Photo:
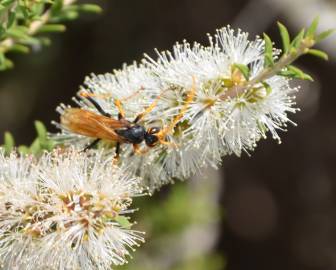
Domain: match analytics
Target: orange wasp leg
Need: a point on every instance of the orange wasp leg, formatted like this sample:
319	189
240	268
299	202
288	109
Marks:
149	108
139	151
120	108
190	96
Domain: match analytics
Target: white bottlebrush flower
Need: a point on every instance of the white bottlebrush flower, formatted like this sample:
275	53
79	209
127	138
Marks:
65	211
204	104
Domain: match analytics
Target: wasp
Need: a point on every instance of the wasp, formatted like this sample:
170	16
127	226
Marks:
103	126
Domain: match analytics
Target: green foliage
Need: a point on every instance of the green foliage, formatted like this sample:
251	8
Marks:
318	53
301	44
40	144
295	44
294	72
267	88
52	28
268	51
277	63
123	222
23	21
9	143
324	35
284	36
312	28
244	69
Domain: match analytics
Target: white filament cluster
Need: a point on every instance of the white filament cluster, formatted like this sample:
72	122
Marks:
211	126
64	212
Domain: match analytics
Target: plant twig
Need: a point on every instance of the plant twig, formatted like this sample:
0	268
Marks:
33	28
269	72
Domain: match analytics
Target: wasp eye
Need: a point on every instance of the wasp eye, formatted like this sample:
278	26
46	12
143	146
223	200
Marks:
153	130
151	140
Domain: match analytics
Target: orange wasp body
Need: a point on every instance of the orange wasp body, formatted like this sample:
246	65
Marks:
103	126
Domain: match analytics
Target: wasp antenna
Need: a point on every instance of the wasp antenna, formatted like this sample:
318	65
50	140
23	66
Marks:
97	106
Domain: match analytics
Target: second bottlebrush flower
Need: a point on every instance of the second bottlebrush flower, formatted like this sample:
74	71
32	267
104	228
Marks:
65	211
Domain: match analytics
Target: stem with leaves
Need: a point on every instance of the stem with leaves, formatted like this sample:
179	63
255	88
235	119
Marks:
33	28
300	45
22	21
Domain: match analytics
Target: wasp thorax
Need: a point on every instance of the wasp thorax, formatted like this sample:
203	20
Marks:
134	134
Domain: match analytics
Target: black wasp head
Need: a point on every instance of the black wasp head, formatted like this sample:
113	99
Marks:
150	136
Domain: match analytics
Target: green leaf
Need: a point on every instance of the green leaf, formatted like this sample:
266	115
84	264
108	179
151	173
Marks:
18	32
66	15
297	40
5	63
9	63
2	59
269	60
41	130
324	35
35	147
57	7
244	70
294	72
318	53
52	28
15	33
49	145
307	77
123	222
11	19
19	48
23	149
22	28
9	142
45	41
286	73
284	37
24	11
268	51
267	87
312	28
7	2
2	31
38	10
92	8
42	134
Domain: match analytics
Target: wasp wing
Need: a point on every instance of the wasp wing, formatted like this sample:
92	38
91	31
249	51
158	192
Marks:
93	125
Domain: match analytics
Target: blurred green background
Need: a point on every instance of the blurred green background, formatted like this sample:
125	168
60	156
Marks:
274	210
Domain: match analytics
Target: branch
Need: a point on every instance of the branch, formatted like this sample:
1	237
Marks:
33	28
285	60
